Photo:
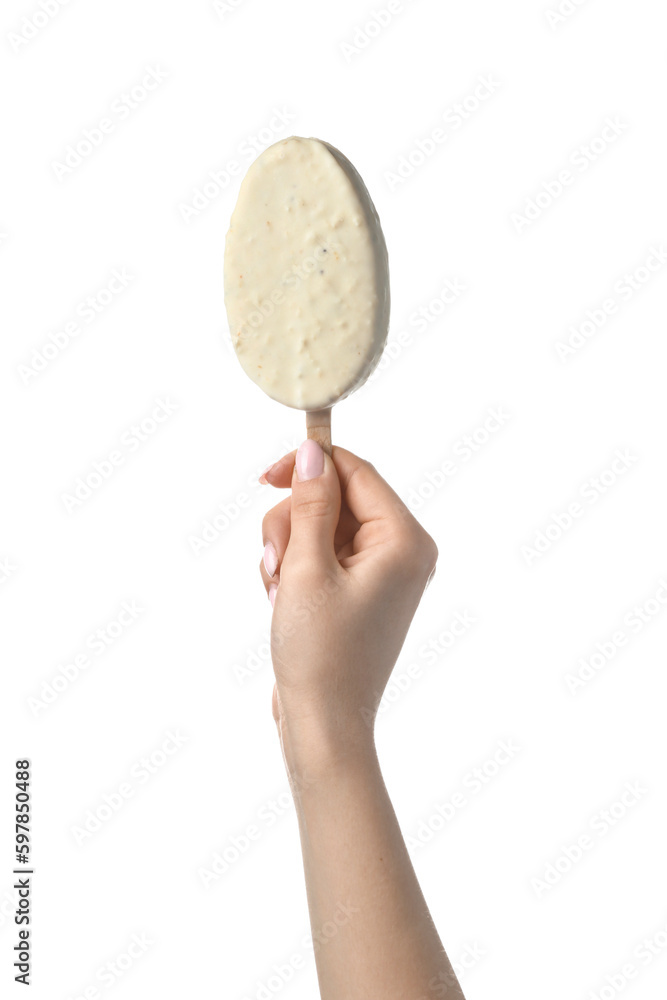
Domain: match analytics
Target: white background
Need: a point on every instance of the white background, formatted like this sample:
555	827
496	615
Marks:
163	337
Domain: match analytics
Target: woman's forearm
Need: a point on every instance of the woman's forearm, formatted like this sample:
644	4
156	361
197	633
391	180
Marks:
372	931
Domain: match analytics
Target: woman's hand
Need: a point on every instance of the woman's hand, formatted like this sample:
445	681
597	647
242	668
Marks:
345	566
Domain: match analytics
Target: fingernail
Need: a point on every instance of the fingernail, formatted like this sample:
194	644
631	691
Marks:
270	559
262	478
309	461
272	593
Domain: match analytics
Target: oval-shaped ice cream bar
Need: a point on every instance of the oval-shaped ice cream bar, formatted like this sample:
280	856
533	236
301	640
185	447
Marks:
306	275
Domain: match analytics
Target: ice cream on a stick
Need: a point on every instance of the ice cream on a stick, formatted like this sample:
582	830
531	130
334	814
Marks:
306	279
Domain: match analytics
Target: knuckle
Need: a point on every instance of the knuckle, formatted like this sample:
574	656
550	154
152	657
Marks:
363	466
405	549
417	550
430	554
268	520
312	507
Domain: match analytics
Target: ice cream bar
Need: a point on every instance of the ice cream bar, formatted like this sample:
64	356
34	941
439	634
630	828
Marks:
306	275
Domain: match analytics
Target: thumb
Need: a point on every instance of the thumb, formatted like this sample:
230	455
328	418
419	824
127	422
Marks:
315	505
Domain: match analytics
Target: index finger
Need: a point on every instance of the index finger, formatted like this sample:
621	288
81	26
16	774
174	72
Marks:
280	473
368	496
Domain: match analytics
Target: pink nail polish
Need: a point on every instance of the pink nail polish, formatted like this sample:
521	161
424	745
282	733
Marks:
262	478
309	461
270	559
273	589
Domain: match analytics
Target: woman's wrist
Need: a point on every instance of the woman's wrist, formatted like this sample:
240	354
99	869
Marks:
315	747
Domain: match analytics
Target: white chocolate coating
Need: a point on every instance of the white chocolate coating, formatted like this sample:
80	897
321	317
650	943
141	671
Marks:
306	275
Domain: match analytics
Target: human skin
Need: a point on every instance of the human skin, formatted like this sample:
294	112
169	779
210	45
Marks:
345	566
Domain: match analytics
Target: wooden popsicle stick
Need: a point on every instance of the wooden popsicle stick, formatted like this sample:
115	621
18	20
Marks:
318	426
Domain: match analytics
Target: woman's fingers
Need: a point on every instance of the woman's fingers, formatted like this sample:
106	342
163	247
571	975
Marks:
280	473
368	496
270	582
387	524
366	493
275	536
372	515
